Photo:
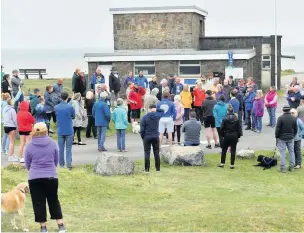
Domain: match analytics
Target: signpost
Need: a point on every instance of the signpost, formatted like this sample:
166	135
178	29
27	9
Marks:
230	58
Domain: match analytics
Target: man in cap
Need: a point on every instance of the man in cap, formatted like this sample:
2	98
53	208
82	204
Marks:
285	132
114	83
58	89
34	100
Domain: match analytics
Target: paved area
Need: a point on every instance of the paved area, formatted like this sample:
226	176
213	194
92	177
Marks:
264	141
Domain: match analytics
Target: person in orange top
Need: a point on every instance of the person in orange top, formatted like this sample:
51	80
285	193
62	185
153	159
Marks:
186	99
214	87
199	97
25	121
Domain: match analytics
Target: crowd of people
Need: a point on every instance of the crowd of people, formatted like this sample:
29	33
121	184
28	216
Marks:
159	110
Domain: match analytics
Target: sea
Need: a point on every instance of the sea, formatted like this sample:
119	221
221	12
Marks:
61	63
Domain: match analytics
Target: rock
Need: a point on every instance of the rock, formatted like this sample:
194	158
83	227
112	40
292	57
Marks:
245	154
109	164
184	155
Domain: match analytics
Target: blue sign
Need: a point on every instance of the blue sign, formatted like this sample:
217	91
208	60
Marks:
230	58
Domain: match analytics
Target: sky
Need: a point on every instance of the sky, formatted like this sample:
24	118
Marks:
40	24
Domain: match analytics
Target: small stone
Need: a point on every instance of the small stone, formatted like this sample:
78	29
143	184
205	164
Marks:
245	154
183	155
109	164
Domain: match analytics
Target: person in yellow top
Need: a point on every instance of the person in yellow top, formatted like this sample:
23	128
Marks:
214	87
186	99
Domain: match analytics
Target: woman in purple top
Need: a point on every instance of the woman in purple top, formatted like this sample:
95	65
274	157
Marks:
41	159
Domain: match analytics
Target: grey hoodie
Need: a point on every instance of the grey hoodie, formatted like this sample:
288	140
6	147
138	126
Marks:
16	82
10	117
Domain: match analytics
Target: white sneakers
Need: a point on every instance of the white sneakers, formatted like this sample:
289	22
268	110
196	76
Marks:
21	160
13	158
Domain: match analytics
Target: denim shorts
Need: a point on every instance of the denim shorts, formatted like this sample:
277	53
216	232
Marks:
166	123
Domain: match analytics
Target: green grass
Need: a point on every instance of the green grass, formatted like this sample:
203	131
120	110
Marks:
41	84
177	199
287	72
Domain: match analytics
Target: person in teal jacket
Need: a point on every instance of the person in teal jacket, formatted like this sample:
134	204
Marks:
219	113
120	119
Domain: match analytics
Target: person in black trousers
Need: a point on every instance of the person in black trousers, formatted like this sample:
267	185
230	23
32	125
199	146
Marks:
5	85
89	102
149	134
231	130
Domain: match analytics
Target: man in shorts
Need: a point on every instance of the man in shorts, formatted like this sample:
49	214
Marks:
167	120
209	120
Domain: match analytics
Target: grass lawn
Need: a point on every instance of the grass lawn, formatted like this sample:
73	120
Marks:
287	72
176	199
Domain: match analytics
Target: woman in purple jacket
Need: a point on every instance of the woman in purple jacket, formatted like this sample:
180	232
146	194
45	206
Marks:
259	111
43	179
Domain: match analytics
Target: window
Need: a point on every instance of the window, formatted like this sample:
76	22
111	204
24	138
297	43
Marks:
266	62
189	68
147	67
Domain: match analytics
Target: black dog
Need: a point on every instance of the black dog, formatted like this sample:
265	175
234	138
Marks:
266	162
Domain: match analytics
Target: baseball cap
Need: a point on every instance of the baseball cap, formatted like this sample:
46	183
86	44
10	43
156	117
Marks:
40	127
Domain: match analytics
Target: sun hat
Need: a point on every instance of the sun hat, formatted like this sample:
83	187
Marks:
286	108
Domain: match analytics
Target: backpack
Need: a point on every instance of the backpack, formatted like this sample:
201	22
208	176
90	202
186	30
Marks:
266	162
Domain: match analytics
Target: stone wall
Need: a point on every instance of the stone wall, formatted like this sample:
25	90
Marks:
157	31
219	66
213	43
164	68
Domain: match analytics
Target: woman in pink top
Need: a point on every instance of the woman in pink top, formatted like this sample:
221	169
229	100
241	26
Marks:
179	118
271	102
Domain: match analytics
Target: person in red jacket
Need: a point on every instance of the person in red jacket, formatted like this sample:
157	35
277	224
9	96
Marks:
136	103
25	120
199	96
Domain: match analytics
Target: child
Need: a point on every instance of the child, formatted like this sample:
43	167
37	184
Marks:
34	100
25	121
297	139
186	99
40	113
259	110
120	118
179	118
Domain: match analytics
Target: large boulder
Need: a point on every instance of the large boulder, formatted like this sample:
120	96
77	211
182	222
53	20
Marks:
109	164
245	154
183	155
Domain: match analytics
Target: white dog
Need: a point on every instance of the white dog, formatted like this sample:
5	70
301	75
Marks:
135	127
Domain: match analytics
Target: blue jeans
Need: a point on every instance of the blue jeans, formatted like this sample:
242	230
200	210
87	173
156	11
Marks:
186	114
240	115
248	118
68	142
259	124
5	143
282	148
102	130
121	139
272	116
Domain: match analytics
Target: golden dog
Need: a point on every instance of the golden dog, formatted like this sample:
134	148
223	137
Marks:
13	203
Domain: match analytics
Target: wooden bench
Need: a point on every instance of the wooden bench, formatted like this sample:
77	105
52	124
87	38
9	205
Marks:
27	72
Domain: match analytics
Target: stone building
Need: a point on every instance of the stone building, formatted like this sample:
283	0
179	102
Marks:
171	40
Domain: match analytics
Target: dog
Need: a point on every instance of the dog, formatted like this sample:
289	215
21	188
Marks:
135	127
13	203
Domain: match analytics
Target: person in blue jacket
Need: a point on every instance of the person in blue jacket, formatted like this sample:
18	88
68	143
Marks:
102	115
219	113
141	80
97	78
167	120
65	113
150	135
248	101
294	97
177	87
120	118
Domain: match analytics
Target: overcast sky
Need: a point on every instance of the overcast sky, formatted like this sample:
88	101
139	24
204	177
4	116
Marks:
88	23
